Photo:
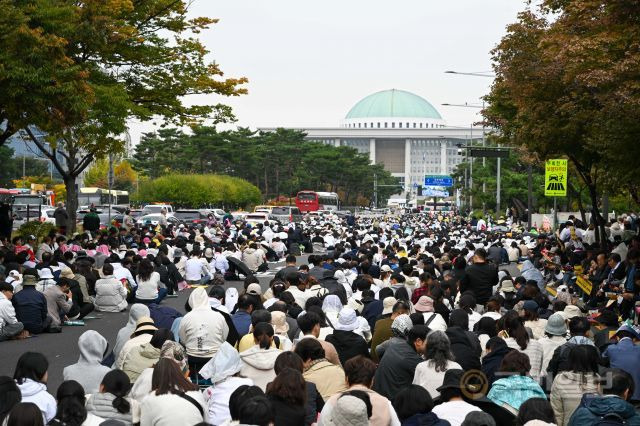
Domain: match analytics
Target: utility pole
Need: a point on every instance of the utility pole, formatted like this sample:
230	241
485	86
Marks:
498	187
471	173
110	179
529	194
375	190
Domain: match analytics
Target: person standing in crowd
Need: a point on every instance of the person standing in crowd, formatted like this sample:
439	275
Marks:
480	277
61	217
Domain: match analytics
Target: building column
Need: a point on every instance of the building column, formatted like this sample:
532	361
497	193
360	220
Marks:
372	151
443	158
407	165
336	142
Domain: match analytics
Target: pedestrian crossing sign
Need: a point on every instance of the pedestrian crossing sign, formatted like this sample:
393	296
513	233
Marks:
555	178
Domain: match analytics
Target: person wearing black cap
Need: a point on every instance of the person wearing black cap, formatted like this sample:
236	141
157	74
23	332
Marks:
454	408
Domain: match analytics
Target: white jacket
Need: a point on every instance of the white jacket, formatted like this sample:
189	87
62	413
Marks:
111	296
202	330
257	365
171	410
7	313
36	392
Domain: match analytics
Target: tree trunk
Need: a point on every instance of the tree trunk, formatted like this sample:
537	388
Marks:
71	204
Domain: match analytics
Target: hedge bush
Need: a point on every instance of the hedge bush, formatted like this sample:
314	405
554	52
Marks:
197	191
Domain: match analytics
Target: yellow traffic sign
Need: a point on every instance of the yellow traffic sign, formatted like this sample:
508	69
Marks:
555	178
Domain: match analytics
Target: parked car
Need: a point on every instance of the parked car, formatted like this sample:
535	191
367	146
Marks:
263	208
153	219
116	220
255	218
157	208
45	214
286	214
191	217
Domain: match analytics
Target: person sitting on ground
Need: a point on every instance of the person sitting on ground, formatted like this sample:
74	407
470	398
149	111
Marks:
166	404
328	377
309	324
10	327
625	355
413	406
569	386
89	371
617	388
514	386
149	287
225	380
71	406
59	302
359	373
438	359
146	355
31	305
537	411
111	294
345	340
453	407
31	375
111	402
9	397
259	360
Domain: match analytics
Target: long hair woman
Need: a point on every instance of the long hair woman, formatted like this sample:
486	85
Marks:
71	409
259	360
438	359
287	394
31	376
173	399
516	336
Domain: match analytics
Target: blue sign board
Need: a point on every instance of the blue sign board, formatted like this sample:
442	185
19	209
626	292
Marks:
446	181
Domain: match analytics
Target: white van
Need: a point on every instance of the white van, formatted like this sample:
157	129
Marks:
156	209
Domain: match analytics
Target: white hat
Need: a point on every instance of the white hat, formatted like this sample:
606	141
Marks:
254	289
387	305
385	268
347	320
45	273
14	278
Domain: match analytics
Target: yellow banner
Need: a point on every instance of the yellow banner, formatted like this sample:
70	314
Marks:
584	284
555	178
577	269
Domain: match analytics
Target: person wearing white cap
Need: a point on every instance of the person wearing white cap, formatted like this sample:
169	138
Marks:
46	279
347	342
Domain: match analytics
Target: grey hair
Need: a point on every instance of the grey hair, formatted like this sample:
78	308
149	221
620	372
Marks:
438	350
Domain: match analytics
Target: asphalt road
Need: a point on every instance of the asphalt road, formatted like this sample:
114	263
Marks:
61	349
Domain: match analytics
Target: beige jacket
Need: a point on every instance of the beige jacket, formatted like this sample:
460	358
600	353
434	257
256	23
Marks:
328	378
566	393
382	413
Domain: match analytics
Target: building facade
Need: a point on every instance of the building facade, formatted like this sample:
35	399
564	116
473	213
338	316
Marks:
403	132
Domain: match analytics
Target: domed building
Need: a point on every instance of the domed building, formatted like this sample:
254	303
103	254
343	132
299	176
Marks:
402	131
393	109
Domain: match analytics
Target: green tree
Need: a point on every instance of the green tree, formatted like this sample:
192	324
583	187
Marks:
103	63
567	86
98	175
196	191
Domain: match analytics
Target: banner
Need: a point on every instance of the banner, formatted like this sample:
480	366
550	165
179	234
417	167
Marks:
584	284
555	178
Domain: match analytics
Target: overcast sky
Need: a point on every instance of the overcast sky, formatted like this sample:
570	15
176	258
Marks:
309	62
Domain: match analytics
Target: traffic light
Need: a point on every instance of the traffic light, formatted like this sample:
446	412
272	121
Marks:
419	190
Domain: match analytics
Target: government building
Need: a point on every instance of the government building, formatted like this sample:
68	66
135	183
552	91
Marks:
404	132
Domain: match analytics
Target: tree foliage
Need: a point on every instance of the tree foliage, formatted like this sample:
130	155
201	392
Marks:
77	70
196	191
568	84
124	177
12	167
278	163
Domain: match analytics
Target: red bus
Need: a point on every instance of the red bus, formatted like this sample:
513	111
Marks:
311	201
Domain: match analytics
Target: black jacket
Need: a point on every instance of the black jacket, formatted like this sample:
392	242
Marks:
491	362
286	413
480	279
466	353
91	222
315	403
372	310
396	369
348	344
31	309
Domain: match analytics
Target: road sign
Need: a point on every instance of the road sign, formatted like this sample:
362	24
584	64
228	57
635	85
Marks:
555	178
438	180
489	152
